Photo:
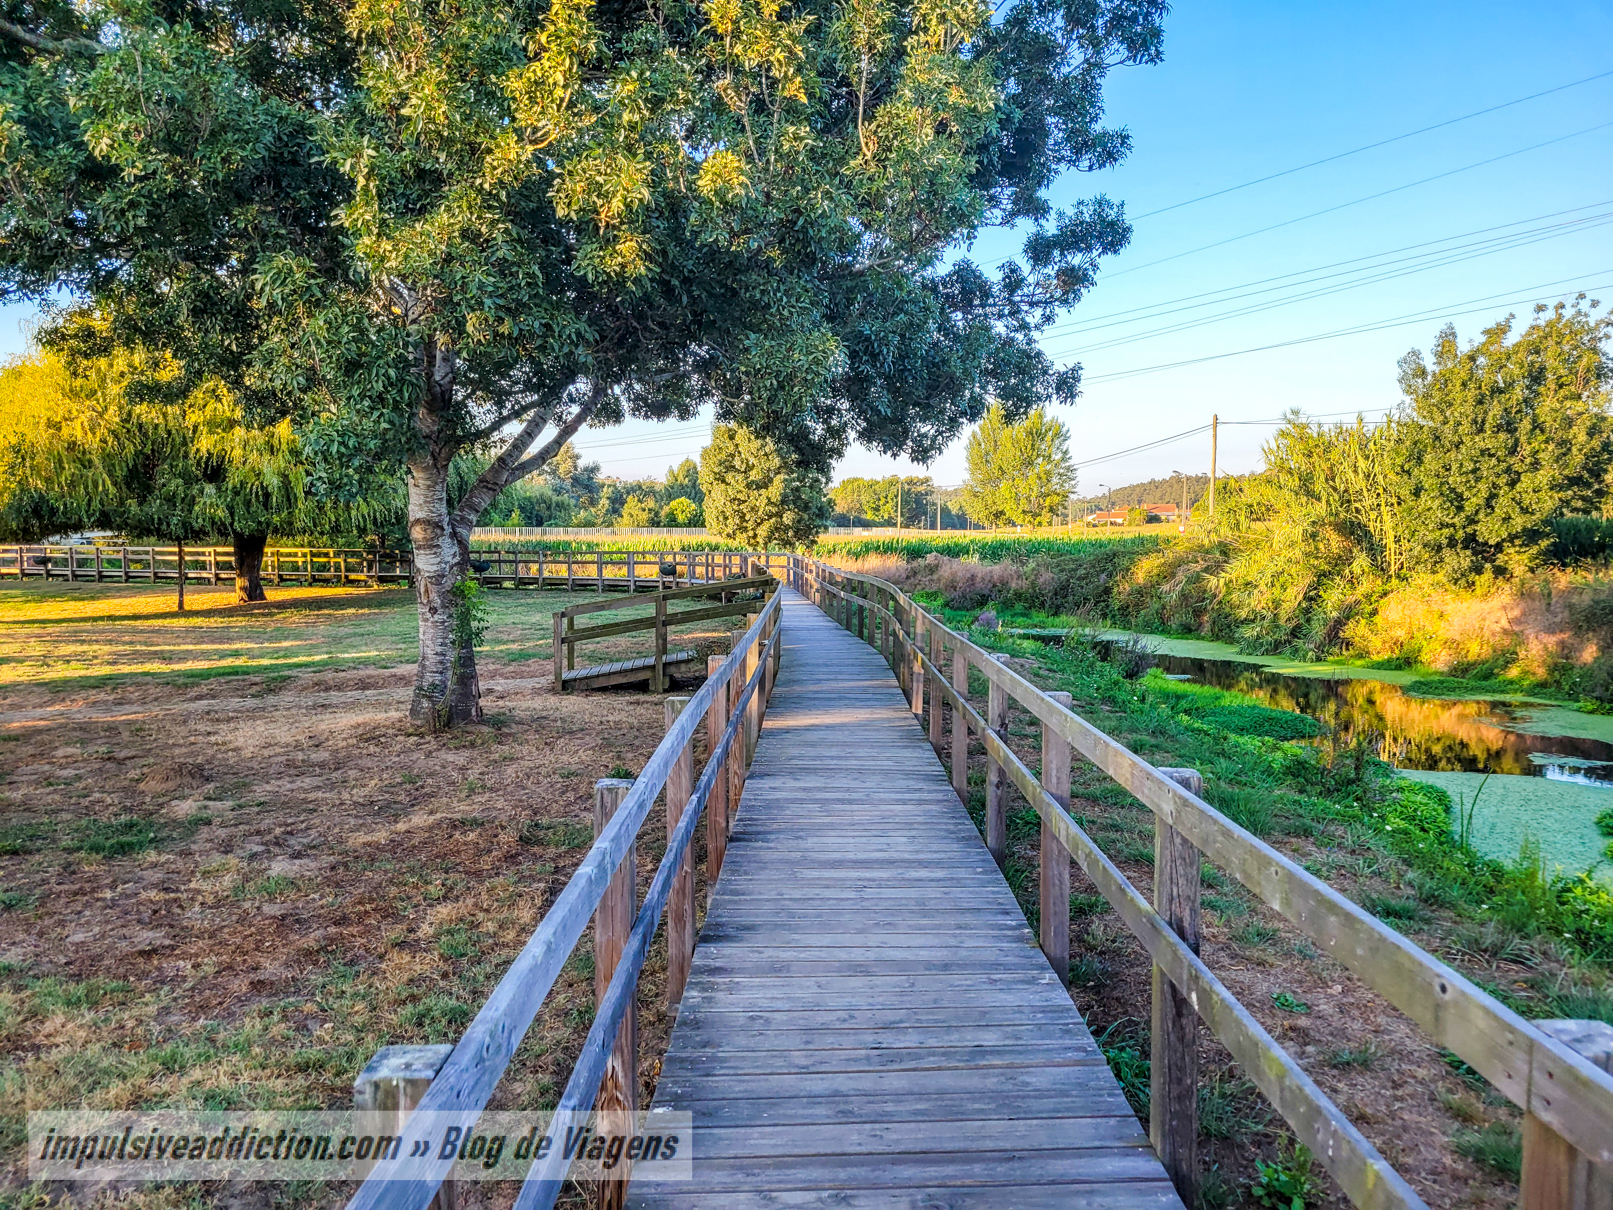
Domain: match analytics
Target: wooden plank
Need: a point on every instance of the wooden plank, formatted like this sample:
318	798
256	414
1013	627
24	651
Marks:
1173	1105
864	970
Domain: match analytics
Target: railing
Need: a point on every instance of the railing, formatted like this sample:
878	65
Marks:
731	703
122	564
1567	1098
567	634
599	570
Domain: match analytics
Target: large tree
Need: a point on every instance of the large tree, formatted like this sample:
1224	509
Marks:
758	493
491	220
1019	473
1500	437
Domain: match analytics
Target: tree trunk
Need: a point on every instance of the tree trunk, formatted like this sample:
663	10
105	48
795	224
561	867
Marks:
249	566
181	547
446	690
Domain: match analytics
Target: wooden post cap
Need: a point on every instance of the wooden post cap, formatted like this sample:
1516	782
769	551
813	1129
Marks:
392	1065
1190	780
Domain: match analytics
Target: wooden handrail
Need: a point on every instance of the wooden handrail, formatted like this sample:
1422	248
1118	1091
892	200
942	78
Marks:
567	634
466	1081
1548	1080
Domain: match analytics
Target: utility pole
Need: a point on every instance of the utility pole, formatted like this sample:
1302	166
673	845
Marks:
1215	427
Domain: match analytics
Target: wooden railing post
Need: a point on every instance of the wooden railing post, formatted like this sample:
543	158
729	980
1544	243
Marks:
599	570
1173	1115
753	709
680	902
1055	858
392	1082
996	777
717	801
618	1090
661	685
736	752
1556	1175
937	651
915	667
960	726
559	652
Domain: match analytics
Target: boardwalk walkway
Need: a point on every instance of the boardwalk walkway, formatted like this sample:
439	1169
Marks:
869	1021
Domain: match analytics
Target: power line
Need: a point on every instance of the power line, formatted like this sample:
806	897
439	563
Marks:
1478	113
1372	326
1438	176
1369	277
1117	317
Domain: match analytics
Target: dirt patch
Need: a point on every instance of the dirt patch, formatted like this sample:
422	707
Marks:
231	893
173	775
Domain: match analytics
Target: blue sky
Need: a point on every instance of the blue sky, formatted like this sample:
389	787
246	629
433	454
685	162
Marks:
1248	90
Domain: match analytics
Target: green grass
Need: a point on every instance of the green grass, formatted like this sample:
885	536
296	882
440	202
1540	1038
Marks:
1466	687
985	548
1498	1147
116	837
556	833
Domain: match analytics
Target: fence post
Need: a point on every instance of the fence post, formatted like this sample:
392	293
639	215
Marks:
717	802
737	756
599	570
1055	858
937	651
680	903
1556	1175
915	667
1173	1115
960	727
753	710
123	558
393	1082
661	685
996	777
569	581
618	1089
559	658
632	577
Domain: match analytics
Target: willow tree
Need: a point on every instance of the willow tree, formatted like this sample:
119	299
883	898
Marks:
556	214
112	444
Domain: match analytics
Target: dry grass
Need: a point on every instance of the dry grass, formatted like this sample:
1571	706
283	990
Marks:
310	878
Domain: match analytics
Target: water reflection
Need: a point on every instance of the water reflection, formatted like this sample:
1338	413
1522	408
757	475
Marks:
1412	732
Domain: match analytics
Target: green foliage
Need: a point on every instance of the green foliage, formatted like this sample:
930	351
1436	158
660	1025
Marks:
859	501
1019	474
683	512
471	614
757	494
640	512
1504	436
988	549
1125	1049
1499	1147
1230	711
1286	1182
118	837
1580	539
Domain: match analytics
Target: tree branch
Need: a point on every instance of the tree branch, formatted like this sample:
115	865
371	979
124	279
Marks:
27	37
552	446
509	467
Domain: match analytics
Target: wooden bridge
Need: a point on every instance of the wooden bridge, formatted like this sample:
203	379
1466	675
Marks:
868	1021
867	1009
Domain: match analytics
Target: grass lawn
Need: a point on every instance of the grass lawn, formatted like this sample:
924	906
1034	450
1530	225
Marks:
230	870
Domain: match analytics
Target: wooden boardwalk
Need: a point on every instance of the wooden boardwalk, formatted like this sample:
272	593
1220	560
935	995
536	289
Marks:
869	1021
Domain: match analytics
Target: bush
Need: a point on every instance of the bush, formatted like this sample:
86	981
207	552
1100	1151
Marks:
1580	539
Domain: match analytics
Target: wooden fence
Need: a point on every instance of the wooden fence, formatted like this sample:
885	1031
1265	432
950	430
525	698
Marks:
731	705
1567	1099
739	596
600	571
